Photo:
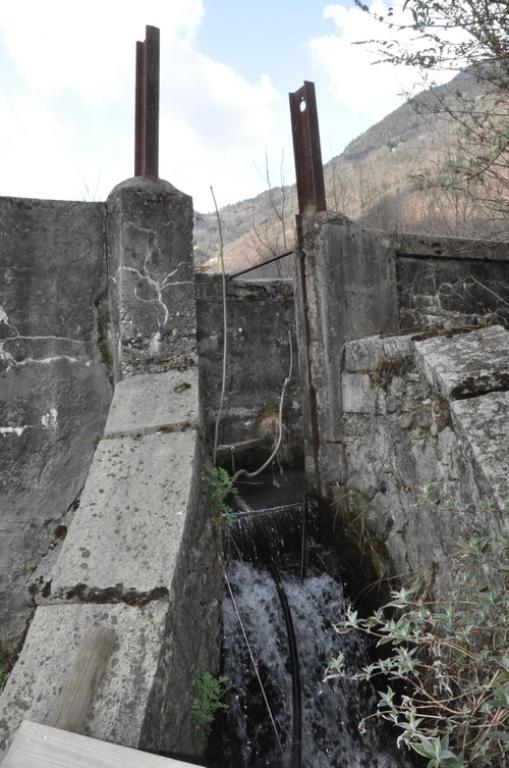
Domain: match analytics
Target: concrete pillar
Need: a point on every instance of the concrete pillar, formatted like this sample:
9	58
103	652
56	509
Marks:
149	232
346	289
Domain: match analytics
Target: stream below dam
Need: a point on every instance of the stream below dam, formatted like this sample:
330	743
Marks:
258	727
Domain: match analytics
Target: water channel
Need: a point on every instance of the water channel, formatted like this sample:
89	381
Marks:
258	726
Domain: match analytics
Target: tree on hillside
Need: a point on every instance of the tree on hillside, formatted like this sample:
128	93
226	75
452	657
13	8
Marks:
470	36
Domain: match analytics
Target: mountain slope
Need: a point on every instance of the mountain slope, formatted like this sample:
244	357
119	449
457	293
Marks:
379	180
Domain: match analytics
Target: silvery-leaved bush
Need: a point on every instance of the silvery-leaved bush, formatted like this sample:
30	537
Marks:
445	682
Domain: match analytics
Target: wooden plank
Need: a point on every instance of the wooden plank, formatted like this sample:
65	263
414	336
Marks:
39	746
73	702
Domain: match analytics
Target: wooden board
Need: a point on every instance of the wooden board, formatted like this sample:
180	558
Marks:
40	746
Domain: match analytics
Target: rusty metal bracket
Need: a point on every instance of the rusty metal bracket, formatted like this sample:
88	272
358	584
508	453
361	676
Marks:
306	149
146	119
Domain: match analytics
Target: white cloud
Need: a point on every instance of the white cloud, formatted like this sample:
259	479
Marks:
67	101
84	47
356	81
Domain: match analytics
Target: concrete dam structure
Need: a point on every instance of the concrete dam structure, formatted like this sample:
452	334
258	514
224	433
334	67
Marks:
110	375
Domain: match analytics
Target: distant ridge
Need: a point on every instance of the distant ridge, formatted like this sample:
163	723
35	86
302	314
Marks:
377	181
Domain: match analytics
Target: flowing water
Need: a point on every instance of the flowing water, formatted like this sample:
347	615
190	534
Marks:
331	711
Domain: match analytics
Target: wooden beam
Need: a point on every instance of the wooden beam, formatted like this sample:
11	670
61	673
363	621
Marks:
39	746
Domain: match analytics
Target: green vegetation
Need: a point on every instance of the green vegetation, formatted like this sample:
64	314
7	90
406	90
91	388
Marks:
448	662
207	694
269	409
220	486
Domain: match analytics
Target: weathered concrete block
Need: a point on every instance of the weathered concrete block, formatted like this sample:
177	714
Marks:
357	393
148	402
125	692
369	353
481	425
412	438
151	278
126	534
466	364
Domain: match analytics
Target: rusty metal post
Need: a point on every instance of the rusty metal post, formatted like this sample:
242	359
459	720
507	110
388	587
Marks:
146	131
151	102
139	113
311	197
306	149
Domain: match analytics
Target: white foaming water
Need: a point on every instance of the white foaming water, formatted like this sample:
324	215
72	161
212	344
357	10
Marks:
330	711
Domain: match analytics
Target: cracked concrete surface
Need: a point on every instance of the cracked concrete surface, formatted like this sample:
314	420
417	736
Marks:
140	554
128	530
149	402
149	234
54	387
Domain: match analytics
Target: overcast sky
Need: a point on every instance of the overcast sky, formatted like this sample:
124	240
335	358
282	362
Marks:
67	90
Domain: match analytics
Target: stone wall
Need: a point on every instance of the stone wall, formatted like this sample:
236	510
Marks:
450	282
55	382
425	447
261	323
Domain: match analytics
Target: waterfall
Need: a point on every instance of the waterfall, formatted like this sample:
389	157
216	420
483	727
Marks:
331	711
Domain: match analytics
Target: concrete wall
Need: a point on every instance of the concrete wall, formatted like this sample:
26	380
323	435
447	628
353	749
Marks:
354	283
346	288
54	382
260	319
380	423
94	296
141	552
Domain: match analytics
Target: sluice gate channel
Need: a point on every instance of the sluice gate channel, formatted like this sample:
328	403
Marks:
284	595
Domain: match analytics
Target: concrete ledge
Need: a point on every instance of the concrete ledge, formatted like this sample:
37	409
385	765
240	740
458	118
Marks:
120	704
467	364
126	534
148	402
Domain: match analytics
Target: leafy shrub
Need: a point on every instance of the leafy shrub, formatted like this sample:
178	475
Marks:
449	660
207	694
220	487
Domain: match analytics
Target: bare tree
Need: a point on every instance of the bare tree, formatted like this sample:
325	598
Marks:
272	229
470	36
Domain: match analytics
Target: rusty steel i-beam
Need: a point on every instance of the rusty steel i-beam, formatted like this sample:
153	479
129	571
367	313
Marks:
306	149
146	122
